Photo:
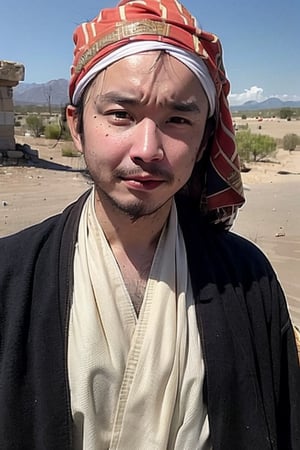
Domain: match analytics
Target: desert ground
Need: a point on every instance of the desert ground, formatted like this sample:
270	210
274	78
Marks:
270	217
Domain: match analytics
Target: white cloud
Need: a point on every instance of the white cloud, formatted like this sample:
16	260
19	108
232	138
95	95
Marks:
253	94
256	94
287	97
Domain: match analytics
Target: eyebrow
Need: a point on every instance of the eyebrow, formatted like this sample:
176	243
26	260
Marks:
120	99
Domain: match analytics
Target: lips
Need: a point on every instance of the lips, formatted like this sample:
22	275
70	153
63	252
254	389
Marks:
143	182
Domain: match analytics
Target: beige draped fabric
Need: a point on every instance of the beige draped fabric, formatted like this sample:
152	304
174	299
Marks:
136	383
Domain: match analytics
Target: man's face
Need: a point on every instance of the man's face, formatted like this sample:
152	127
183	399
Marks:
144	119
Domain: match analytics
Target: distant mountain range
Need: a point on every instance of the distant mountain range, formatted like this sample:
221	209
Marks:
55	92
270	103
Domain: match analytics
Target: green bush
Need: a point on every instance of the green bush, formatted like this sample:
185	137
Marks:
52	131
57	131
254	147
70	151
35	124
290	141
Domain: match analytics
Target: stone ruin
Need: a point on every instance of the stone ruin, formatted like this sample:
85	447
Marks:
11	73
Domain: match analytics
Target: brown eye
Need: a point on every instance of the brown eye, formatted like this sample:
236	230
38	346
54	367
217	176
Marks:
179	120
121	115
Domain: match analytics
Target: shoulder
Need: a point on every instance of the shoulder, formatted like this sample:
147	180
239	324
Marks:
25	245
200	234
219	253
20	247
240	249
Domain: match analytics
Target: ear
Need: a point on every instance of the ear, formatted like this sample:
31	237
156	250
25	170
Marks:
72	120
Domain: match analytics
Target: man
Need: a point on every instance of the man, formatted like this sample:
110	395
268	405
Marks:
135	319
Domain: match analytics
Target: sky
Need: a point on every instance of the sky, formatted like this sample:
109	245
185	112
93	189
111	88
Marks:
260	38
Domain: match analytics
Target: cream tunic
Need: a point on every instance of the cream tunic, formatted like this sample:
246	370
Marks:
136	383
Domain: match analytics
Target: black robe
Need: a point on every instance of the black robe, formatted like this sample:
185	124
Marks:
252	381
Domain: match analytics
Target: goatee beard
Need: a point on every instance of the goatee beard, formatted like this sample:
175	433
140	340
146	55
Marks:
135	210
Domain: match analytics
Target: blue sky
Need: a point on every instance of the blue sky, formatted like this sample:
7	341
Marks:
261	40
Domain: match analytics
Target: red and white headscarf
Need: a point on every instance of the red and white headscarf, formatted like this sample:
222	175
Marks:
141	25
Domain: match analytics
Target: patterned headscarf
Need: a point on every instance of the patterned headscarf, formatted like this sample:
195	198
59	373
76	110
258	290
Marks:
168	21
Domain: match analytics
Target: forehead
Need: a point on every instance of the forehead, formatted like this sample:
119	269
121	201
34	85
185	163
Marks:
148	62
151	72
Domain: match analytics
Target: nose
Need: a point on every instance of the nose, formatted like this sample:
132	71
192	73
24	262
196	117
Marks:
147	145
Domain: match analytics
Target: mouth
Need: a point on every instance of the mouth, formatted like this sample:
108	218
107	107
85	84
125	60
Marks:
147	183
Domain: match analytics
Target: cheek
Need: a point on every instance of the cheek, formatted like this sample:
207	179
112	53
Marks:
184	166
95	130
94	126
188	158
104	147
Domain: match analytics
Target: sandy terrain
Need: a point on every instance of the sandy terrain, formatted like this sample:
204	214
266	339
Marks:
30	194
276	128
270	218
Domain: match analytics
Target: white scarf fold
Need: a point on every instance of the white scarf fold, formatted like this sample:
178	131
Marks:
136	383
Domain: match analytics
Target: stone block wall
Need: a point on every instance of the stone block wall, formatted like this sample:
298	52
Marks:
7	139
11	74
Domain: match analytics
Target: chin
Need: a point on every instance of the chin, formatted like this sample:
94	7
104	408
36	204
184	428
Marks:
133	208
